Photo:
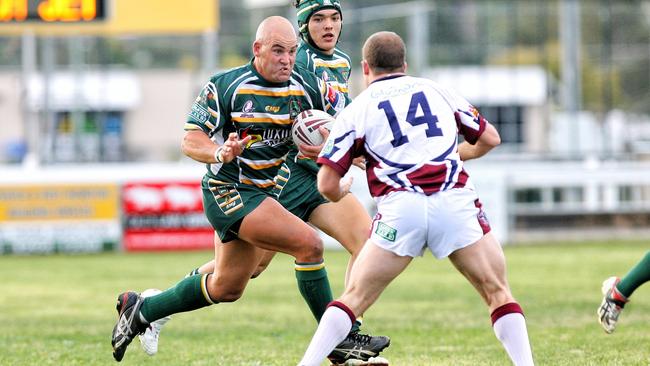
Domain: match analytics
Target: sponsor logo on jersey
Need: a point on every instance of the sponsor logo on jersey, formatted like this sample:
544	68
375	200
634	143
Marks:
393	91
295	108
386	231
272	108
332	95
265	137
482	218
475	113
329	146
206	94
199	113
247	110
230	205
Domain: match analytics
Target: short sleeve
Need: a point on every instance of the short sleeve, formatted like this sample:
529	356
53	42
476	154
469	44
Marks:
469	120
343	144
205	114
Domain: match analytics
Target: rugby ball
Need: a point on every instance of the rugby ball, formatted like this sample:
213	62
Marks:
305	127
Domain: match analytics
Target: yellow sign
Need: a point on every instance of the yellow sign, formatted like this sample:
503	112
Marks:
58	202
51	10
120	17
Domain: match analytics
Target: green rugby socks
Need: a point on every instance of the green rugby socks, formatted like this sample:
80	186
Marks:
314	287
637	276
187	295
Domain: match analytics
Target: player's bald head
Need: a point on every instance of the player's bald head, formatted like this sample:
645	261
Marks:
275	48
275	27
385	52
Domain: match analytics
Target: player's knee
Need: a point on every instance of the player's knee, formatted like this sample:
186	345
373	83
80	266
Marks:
310	249
223	290
229	295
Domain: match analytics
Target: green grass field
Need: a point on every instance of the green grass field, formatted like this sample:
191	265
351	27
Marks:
60	310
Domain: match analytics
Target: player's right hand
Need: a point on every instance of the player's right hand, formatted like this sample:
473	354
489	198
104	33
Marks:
233	147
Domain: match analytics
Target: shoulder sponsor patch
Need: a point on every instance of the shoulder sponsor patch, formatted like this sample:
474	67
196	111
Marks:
386	231
329	146
199	113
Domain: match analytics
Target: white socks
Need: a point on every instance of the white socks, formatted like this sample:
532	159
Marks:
510	329
508	320
333	328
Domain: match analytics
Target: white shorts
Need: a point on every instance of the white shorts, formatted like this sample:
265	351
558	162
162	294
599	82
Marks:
407	222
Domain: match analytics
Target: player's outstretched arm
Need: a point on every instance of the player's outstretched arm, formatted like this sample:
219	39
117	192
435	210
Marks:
330	184
198	146
488	140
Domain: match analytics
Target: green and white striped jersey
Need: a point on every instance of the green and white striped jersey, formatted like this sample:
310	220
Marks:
335	71
240	100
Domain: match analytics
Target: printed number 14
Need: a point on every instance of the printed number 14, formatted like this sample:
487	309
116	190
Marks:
417	99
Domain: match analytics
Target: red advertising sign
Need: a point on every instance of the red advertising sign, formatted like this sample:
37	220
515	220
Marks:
165	216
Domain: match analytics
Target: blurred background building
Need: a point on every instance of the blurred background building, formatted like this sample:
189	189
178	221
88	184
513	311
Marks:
87	86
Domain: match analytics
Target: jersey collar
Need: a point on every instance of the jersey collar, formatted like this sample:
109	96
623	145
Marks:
319	52
388	77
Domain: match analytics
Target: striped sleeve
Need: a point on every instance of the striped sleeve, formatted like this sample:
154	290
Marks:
470	122
205	113
343	144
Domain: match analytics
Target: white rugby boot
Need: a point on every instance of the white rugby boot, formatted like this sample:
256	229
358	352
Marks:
611	306
149	339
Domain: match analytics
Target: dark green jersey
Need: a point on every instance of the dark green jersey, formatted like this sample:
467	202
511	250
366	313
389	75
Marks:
334	70
240	100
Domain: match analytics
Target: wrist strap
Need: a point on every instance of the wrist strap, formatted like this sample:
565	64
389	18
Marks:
217	155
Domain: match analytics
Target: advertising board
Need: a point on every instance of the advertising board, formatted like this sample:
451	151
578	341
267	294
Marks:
164	216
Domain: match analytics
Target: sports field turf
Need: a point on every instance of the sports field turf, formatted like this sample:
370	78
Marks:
60	310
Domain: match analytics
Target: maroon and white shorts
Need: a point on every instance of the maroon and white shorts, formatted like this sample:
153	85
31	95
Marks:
409	222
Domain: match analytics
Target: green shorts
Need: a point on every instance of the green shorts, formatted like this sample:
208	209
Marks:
296	190
226	205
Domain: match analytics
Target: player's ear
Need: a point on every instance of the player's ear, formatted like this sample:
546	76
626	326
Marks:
257	46
406	66
365	67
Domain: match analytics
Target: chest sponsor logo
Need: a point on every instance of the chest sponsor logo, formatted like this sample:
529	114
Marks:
265	137
386	231
295	108
247	110
272	108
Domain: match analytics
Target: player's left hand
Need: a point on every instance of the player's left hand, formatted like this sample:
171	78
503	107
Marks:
233	147
313	151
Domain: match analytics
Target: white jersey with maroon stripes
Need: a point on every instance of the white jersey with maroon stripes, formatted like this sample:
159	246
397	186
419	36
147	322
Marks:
407	128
